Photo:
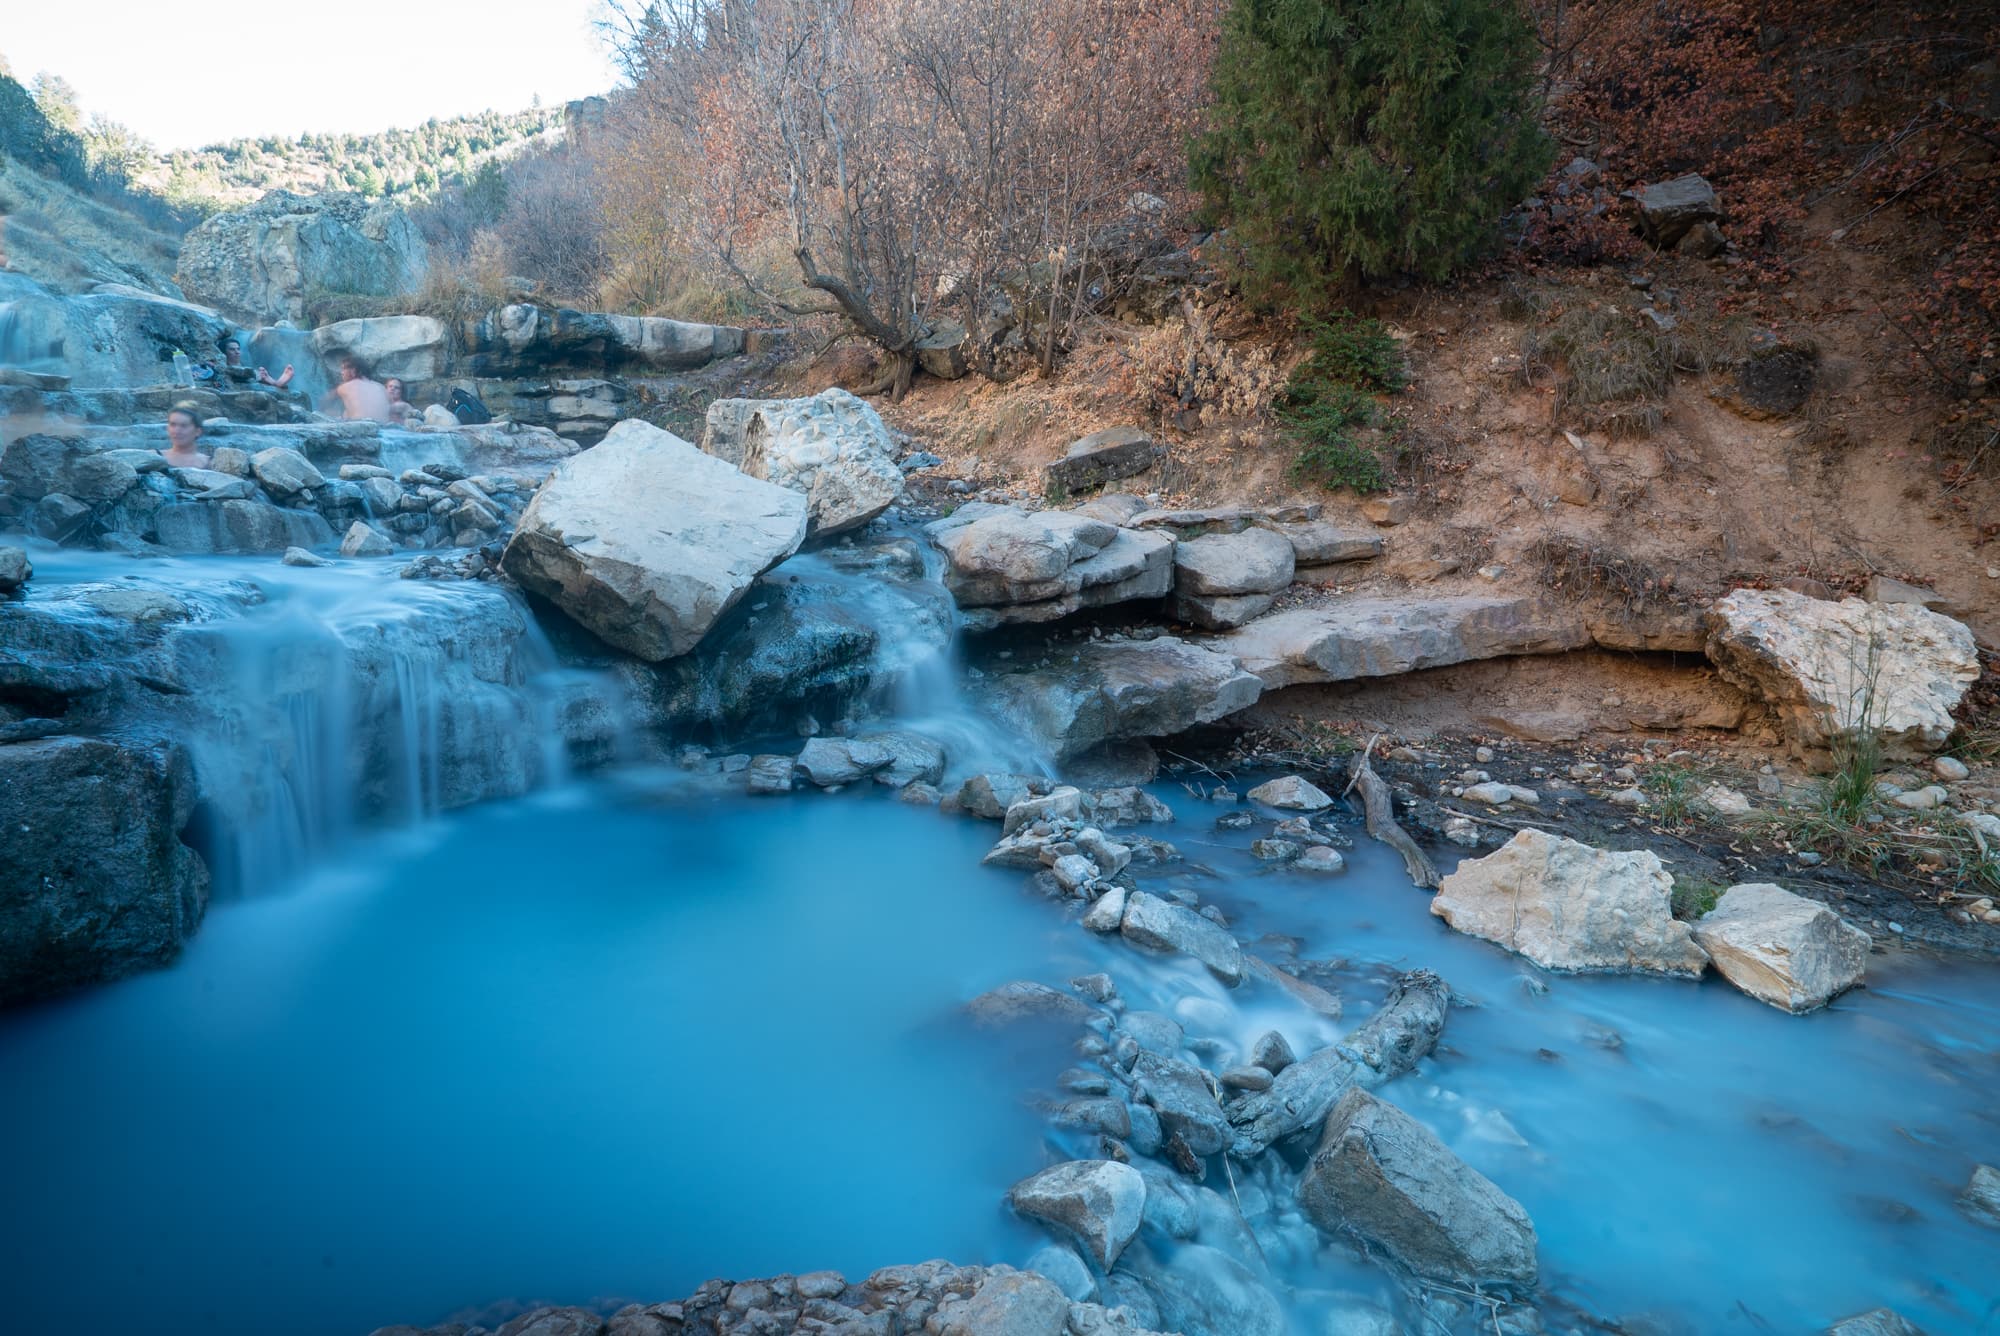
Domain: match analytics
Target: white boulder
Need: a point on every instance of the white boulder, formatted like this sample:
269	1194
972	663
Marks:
1831	670
647	541
1567	906
832	449
1782	948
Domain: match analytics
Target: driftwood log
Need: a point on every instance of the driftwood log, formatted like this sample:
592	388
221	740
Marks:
1389	1043
1379	805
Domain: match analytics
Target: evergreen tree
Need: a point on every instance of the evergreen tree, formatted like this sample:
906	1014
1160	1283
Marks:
1362	138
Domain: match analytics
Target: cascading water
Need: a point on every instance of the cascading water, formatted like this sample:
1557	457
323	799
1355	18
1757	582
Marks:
316	701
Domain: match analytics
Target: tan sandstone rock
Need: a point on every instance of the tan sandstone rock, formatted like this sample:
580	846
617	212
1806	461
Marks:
1568	906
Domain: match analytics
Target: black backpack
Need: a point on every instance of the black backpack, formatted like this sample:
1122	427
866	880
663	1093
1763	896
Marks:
468	409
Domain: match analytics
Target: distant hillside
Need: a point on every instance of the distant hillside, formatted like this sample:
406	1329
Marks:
414	162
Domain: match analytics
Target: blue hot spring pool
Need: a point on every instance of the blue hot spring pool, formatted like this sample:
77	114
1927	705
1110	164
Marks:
610	1042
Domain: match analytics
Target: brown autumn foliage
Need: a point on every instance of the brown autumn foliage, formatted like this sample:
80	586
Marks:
1889	113
914	161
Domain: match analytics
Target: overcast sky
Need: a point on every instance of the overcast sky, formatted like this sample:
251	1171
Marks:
184	74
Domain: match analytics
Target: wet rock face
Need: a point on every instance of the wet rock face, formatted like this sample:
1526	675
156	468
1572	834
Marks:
647	542
1110	690
94	879
1829	670
1381	1176
1782	948
1567	906
259	262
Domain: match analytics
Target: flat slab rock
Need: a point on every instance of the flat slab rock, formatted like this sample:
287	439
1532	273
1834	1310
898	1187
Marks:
1568	906
647	542
1782	948
1381	637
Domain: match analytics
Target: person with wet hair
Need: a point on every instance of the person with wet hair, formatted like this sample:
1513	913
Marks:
401	407
184	437
361	396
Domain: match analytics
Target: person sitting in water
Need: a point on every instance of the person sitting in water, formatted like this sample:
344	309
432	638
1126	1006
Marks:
401	407
184	438
361	396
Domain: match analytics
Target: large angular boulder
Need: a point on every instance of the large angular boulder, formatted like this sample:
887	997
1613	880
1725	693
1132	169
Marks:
94	879
1782	948
1834	670
1567	906
1099	1203
647	542
1384	637
1223	580
412	347
833	449
1112	689
259	262
1382	1177
1102	456
1007	566
1669	210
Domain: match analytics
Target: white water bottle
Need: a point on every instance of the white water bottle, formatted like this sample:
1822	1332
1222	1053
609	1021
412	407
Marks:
183	369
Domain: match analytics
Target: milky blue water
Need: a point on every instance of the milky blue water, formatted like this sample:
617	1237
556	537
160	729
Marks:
612	1041
601	1044
1725	1167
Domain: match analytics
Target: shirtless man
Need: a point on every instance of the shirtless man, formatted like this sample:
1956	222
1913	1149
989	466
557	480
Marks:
362	397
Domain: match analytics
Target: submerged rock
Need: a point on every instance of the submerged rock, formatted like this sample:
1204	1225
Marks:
1099	1203
1381	1176
1875	1322
1567	906
1782	948
1830	670
1981	1198
1206	1292
95	882
1025	1000
647	542
1389	1043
